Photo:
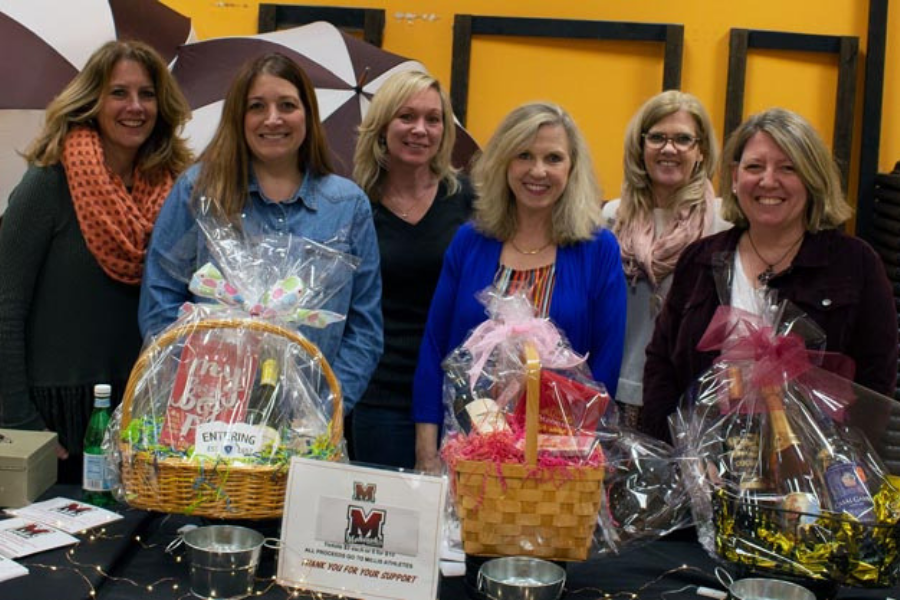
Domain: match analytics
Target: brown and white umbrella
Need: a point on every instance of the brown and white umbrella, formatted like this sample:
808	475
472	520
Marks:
345	71
44	43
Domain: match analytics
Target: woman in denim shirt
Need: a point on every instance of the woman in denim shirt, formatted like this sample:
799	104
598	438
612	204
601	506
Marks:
268	168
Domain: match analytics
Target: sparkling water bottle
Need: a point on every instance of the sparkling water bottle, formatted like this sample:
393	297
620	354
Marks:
97	480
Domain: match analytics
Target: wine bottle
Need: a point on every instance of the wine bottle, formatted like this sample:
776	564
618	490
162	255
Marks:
745	462
792	474
462	396
473	412
844	476
97	475
261	403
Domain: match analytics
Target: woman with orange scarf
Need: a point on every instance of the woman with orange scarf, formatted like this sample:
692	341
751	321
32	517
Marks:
73	241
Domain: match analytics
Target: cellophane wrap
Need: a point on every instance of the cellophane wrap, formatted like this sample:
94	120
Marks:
644	495
233	384
778	454
510	507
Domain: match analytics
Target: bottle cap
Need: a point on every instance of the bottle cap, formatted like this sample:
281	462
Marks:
269	374
102	390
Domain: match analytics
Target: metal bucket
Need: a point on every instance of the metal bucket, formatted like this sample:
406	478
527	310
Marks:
768	589
223	560
520	578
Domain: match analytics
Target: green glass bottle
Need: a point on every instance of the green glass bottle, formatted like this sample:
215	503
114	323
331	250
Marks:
97	480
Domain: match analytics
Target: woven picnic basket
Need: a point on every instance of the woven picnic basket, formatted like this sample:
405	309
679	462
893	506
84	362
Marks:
522	509
232	491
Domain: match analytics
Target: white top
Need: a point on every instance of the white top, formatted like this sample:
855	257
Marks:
743	293
643	305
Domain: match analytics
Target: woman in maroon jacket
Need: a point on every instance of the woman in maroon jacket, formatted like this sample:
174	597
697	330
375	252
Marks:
784	195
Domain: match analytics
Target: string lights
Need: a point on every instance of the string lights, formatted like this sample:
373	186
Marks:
80	568
636	594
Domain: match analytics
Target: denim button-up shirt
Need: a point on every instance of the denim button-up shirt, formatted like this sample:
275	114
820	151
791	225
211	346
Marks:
331	210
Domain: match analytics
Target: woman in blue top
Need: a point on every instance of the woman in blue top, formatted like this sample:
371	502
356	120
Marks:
267	169
536	227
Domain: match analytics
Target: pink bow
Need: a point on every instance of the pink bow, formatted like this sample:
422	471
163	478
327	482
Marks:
743	337
554	352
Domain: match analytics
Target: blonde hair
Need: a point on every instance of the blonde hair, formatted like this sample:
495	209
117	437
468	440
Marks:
225	164
79	104
370	159
826	207
576	215
637	188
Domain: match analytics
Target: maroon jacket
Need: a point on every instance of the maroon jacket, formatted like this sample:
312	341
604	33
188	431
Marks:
837	280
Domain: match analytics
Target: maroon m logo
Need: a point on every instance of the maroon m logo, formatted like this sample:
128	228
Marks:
363	528
364	492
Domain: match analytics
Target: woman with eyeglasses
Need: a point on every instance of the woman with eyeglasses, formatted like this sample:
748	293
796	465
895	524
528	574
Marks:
782	190
667	202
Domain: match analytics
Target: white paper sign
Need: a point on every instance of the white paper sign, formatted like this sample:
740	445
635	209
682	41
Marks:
67	515
21	537
10	569
232	440
365	533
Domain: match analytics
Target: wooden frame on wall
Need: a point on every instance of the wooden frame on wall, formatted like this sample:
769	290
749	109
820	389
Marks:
465	26
370	21
873	96
847	49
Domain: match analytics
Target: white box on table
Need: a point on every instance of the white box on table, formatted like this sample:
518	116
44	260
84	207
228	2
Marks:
27	465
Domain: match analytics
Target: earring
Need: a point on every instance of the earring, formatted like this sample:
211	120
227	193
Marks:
382	141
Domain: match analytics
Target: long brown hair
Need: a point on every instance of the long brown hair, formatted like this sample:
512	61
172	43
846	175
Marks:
225	164
79	104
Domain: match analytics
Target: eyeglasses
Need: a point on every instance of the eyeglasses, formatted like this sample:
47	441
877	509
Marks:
681	141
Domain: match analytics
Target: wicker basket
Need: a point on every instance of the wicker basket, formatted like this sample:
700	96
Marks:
232	491
522	510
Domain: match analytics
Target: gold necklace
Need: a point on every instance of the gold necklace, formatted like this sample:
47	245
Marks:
529	252
769	272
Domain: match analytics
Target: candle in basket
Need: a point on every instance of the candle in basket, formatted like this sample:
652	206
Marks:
791	472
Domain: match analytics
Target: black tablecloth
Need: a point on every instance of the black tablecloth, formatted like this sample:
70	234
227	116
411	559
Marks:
71	573
670	569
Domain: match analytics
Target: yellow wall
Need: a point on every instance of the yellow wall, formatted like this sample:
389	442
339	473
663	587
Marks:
602	83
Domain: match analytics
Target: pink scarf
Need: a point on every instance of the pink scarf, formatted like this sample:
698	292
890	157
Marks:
642	256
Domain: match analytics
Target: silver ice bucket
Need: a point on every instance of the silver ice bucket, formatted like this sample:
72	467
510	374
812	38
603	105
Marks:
521	578
223	560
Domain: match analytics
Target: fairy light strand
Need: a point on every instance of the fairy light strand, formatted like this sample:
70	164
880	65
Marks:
78	568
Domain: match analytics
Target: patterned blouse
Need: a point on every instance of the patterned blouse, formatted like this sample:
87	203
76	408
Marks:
536	283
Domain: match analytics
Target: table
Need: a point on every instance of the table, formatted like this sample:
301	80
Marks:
666	569
71	573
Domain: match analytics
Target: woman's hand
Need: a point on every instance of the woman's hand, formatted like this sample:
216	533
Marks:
61	453
430	465
427	458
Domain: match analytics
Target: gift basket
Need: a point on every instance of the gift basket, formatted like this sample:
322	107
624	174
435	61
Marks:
520	418
778	455
220	401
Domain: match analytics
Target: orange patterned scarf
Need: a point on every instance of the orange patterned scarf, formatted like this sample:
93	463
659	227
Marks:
116	224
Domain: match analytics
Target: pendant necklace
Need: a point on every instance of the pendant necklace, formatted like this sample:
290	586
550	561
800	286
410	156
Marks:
529	252
769	272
